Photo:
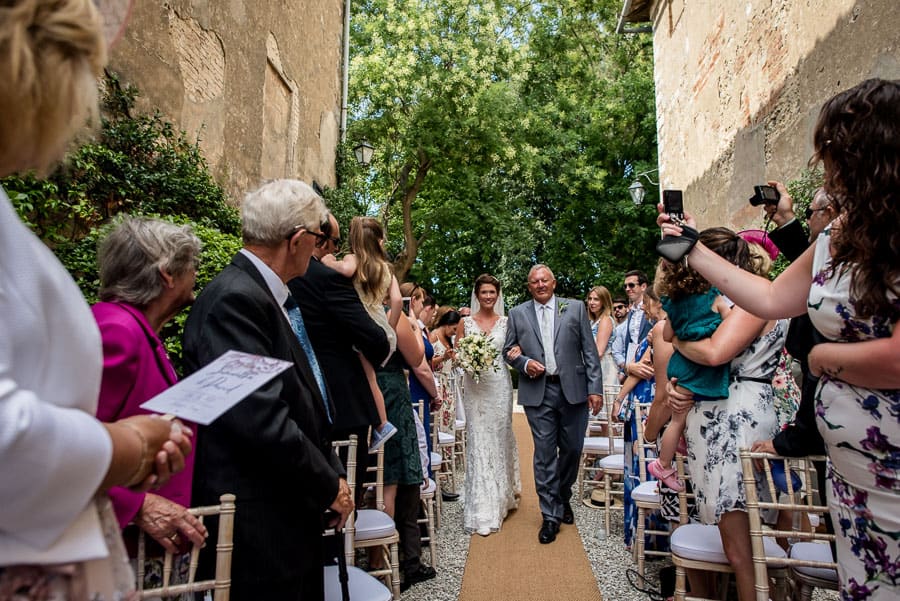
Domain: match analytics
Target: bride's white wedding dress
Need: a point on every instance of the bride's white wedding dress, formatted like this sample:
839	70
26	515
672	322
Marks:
493	483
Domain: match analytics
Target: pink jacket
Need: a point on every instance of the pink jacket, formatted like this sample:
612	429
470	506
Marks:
135	369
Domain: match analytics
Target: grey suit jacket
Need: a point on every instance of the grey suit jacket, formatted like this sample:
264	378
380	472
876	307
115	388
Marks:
578	364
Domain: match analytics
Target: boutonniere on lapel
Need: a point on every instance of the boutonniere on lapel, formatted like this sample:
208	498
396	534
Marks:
561	307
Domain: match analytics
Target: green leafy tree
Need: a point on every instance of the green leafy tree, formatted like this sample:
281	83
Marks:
435	91
506	134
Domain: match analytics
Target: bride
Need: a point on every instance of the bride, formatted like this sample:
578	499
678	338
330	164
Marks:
493	484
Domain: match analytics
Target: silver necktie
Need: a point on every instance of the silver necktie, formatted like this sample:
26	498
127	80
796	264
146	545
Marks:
547	339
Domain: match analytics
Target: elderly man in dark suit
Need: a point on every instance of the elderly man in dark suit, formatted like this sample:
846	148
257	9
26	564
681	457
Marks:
339	326
272	449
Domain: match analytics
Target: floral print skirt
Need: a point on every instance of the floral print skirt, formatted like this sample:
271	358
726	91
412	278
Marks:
716	431
861	429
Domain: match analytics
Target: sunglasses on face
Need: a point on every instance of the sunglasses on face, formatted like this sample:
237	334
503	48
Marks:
630	285
618	307
809	211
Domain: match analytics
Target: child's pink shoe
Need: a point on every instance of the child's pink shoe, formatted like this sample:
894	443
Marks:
669	477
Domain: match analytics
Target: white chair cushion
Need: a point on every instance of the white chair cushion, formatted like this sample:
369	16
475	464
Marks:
814	552
646	492
596	444
704	543
596	426
459	424
371	523
613	462
436	460
600	444
361	586
427	489
445	438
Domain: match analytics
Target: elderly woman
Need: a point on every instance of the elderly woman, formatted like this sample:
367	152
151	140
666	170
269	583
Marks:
147	272
55	455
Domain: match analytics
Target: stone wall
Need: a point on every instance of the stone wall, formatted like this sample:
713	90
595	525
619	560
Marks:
258	82
739	86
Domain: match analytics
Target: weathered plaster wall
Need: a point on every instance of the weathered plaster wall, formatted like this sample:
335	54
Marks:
258	82
739	86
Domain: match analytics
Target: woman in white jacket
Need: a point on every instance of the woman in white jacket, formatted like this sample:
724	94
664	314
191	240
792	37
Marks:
55	457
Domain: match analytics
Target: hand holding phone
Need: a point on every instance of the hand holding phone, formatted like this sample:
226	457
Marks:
673	204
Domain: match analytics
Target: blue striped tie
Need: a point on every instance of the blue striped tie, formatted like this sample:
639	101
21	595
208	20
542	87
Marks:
296	319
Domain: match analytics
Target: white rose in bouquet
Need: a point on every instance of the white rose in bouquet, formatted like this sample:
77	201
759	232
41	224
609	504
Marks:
476	353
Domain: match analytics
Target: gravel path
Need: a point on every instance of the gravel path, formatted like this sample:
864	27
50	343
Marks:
609	559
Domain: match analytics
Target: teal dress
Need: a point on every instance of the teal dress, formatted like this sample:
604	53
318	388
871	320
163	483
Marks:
402	463
692	318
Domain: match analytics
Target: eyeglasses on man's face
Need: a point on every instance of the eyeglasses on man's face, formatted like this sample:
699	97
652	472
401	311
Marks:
809	211
319	236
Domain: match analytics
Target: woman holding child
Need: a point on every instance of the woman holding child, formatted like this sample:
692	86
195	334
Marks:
717	428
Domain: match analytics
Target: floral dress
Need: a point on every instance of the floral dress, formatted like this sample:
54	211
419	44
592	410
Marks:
787	393
449	390
716	430
642	393
861	429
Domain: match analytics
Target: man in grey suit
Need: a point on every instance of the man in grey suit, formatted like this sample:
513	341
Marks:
548	340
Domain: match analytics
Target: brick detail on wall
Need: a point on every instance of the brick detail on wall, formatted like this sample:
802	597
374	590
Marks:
201	57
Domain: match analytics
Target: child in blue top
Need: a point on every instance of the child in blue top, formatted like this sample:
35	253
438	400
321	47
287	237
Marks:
694	309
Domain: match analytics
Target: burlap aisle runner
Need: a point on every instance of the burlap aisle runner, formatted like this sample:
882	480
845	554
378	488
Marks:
513	565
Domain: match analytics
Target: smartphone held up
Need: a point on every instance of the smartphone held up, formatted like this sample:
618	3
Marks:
673	203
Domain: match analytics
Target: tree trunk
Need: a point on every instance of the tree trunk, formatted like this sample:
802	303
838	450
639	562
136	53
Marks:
407	256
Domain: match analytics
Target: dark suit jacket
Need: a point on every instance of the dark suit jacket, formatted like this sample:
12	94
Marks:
271	450
802	437
339	326
790	239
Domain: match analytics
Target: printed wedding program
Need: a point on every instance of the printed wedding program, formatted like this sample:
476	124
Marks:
206	394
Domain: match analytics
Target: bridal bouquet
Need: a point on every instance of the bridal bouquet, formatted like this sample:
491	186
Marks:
476	353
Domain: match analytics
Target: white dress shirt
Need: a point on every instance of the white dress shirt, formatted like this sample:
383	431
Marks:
276	286
538	311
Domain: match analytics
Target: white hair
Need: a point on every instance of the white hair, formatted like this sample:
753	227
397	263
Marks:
134	252
541	266
277	208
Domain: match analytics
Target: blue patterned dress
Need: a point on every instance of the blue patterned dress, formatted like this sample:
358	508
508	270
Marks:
861	429
641	394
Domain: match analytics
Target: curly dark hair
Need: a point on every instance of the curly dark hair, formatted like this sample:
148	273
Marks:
676	280
857	138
